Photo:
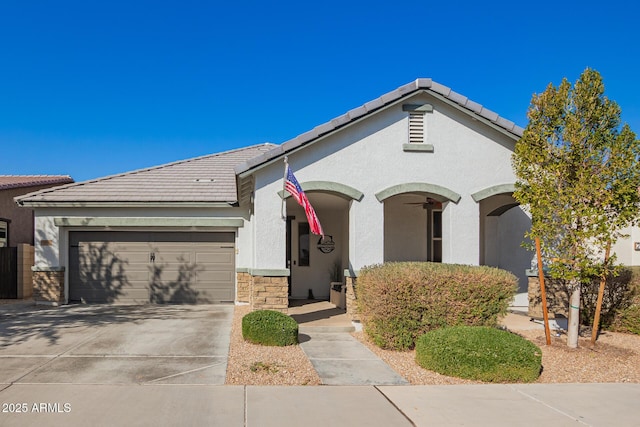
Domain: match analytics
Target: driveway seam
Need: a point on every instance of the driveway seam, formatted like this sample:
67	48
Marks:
185	372
56	357
531	397
394	405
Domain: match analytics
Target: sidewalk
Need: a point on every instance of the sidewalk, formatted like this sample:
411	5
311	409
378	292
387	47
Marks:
498	405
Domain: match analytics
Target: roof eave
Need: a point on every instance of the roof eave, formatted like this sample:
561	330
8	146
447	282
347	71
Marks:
133	204
438	91
316	134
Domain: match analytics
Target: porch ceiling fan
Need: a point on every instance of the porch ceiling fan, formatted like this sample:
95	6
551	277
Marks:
428	202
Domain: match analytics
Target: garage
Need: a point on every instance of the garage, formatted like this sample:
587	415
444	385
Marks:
134	267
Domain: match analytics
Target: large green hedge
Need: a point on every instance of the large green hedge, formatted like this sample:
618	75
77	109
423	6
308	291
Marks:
479	353
400	301
268	327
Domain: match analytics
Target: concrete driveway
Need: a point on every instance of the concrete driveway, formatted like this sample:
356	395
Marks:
106	344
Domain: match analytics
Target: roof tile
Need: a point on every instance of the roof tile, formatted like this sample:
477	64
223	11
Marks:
173	182
21	181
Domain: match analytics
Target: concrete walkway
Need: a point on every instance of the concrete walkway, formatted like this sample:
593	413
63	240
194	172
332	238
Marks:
340	359
199	405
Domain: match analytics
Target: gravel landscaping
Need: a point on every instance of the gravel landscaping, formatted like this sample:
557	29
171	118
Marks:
252	364
614	358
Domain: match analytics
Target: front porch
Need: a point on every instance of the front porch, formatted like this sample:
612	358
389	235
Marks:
319	316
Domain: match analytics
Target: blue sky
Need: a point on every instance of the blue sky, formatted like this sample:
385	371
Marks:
94	88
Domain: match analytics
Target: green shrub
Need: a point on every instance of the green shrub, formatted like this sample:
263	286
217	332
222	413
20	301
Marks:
400	301
619	294
479	353
628	320
268	327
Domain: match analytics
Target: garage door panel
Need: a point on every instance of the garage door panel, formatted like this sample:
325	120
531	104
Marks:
222	294
174	277
184	268
222	257
97	292
175	258
215	276
100	296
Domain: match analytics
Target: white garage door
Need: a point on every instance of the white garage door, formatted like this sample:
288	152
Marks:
157	267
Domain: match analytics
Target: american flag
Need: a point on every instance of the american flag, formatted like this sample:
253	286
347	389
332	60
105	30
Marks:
292	186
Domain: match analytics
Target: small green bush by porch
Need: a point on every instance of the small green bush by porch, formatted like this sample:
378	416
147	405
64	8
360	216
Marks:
400	301
479	353
268	327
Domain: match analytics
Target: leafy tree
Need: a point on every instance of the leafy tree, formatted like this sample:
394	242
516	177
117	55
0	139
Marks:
578	174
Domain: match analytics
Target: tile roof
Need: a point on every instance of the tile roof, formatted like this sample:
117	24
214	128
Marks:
426	85
20	181
203	179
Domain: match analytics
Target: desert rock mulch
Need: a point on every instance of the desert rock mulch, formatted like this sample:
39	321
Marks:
252	364
614	358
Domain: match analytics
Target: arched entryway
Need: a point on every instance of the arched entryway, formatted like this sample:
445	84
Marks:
413	221
502	227
315	263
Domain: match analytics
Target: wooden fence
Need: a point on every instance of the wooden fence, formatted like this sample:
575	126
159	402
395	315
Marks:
8	272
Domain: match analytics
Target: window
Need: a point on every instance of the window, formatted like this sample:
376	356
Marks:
4	233
436	239
417	127
303	244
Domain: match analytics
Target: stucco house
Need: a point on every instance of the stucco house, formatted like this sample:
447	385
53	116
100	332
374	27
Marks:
16	224
17	232
420	173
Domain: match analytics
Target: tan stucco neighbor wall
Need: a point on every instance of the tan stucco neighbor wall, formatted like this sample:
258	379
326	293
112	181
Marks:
21	226
25	275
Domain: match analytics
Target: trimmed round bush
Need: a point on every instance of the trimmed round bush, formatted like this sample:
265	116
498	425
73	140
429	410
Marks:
400	301
268	327
479	353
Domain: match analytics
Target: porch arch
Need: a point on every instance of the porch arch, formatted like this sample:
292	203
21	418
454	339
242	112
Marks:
502	228
331	187
493	191
419	187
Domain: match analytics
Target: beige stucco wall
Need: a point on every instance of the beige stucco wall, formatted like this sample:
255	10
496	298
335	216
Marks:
625	247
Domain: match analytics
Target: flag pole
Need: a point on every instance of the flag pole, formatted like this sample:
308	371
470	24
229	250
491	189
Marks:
284	191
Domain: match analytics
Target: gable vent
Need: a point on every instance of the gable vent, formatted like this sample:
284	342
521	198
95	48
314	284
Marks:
416	127
416	121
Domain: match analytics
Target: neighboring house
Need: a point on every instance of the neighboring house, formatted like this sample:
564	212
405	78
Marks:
16	223
420	173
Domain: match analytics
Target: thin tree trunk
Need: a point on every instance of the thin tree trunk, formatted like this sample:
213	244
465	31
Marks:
574	316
